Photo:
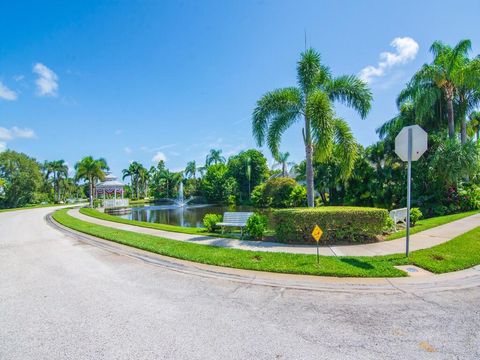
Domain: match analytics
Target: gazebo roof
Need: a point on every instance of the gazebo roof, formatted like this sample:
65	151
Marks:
110	182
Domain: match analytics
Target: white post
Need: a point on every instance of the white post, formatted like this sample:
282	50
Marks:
409	188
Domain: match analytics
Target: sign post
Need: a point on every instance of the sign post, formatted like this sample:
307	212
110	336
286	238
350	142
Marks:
317	234
410	144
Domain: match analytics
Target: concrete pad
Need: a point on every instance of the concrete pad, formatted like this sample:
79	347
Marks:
414	271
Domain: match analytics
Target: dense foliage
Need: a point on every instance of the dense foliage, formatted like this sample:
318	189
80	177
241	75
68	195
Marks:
279	193
256	226
349	224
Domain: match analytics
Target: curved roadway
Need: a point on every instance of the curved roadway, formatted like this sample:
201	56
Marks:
62	298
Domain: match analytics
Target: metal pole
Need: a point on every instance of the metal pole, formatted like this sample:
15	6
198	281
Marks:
409	188
318	256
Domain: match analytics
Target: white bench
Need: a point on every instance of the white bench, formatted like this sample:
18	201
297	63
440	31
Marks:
235	219
399	215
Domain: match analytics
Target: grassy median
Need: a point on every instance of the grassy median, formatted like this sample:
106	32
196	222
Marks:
426	224
459	253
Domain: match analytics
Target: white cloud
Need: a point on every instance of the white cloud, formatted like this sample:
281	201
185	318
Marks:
47	82
3	146
6	93
406	50
14	133
25	133
127	150
159	156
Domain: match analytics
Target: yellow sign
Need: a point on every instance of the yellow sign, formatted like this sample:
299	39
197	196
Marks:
317	233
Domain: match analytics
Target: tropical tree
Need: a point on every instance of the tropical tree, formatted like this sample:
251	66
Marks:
249	168
312	102
90	169
191	169
282	161
59	170
133	171
20	179
474	124
443	78
214	157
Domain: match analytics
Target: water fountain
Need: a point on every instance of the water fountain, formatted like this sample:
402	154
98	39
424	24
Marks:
180	200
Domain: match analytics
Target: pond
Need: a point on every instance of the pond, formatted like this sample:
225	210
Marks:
189	215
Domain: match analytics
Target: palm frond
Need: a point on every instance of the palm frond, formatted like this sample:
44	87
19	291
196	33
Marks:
351	91
270	106
346	148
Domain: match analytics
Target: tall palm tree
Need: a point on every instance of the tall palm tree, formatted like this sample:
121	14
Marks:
59	170
191	169
143	179
312	102
90	169
468	92
282	160
445	74
214	157
133	171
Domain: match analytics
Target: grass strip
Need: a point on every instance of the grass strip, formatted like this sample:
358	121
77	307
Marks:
426	224
456	254
30	207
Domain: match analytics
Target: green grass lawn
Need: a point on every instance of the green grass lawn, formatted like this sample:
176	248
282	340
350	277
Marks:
459	253
426	224
30	207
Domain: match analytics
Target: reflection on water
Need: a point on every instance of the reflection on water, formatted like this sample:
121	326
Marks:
191	216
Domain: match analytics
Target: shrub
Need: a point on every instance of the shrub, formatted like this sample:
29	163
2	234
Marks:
339	223
279	190
415	215
389	225
210	221
256	226
298	196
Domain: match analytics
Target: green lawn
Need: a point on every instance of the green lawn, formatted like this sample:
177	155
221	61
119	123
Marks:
426	224
29	207
459	253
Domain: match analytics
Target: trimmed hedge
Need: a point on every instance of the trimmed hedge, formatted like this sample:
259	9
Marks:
339	224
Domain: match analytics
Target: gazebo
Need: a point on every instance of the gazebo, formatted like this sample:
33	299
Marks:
111	188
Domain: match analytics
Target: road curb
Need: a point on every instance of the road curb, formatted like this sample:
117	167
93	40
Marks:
451	281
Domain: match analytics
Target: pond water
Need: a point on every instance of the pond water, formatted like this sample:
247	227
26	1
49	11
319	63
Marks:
190	215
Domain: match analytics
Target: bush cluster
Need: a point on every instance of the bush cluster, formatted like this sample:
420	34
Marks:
210	221
279	193
339	224
256	226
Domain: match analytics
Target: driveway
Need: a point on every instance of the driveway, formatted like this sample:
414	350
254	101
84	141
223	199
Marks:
61	298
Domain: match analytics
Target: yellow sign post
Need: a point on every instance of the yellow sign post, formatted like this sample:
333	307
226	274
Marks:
317	234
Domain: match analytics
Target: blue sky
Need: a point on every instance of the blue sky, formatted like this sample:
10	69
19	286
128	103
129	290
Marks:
138	80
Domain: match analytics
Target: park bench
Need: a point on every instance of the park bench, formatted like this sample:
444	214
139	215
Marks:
399	215
235	219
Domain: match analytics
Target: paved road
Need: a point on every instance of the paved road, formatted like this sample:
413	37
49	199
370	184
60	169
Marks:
64	299
421	240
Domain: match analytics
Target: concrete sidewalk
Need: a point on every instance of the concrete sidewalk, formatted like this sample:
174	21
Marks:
422	240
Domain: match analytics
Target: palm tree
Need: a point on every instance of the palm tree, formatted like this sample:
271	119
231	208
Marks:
282	160
191	169
445	74
90	169
312	101
133	171
468	92
59	170
143	179
214	157
474	124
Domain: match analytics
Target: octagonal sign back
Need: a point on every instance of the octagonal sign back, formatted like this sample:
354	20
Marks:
419	142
